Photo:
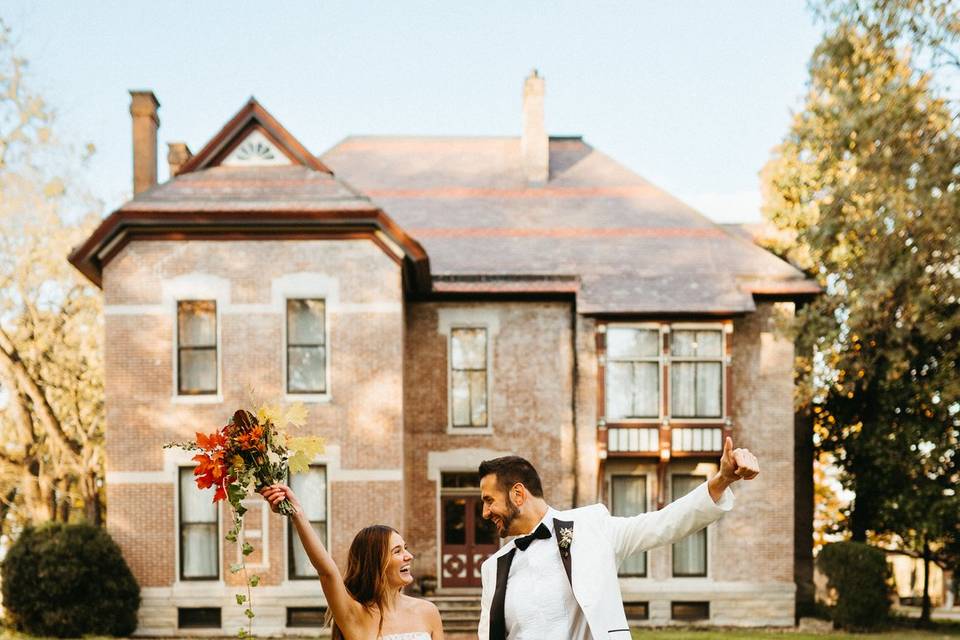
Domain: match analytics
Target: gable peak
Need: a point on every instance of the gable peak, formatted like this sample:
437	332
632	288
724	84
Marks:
253	137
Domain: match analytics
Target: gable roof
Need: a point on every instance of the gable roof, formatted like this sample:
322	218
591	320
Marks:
630	247
251	117
207	200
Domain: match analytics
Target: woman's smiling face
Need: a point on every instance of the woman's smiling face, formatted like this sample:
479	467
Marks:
398	568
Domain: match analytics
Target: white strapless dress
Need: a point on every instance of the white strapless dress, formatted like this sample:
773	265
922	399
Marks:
416	635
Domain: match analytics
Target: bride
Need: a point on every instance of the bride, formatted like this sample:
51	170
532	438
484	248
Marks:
368	601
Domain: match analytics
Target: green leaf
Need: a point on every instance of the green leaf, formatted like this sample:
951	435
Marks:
231	536
247	548
241	598
235	567
249	613
254	580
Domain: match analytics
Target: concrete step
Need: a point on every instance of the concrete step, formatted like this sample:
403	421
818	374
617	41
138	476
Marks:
460	614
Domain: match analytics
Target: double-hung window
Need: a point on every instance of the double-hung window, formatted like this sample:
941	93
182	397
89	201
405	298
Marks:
690	554
633	373
629	498
306	347
311	488
468	377
199	539
696	374
635	376
196	347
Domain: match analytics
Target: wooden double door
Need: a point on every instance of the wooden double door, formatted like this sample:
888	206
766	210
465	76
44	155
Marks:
466	540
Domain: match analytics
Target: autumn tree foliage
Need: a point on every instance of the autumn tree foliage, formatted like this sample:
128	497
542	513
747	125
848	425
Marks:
51	374
867	185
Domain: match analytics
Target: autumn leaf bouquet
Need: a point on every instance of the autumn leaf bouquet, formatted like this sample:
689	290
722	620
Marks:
250	452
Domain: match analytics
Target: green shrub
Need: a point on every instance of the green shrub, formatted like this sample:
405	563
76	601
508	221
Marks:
859	574
69	580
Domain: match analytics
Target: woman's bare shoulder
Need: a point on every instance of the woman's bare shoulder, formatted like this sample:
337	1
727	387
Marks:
420	606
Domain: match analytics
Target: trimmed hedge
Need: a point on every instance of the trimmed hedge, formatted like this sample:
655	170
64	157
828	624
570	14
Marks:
860	576
69	580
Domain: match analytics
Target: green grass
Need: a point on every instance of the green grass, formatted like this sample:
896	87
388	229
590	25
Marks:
940	632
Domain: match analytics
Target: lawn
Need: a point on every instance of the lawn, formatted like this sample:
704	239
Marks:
941	632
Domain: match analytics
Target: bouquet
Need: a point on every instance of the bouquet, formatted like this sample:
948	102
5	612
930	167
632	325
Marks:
252	451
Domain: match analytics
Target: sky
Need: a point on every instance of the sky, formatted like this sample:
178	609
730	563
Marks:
692	95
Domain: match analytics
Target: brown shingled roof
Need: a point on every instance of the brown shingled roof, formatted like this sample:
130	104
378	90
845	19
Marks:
633	247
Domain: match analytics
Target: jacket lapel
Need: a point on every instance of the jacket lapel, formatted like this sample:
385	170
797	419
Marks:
563	532
498	623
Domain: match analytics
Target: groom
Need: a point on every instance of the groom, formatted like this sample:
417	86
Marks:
558	579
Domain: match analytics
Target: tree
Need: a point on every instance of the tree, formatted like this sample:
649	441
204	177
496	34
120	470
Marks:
51	379
867	183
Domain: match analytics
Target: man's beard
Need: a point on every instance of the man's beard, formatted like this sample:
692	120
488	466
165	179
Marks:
512	512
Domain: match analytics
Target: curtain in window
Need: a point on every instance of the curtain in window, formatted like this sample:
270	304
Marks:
311	489
690	554
696	387
198	529
629	499
633	373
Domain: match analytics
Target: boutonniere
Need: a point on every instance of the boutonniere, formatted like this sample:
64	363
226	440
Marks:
566	537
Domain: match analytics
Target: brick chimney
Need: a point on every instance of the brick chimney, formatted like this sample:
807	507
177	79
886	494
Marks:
534	143
177	154
143	109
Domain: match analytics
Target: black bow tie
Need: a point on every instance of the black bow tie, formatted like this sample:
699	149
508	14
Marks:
542	533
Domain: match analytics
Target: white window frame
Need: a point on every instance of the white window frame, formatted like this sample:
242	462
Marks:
725	363
307	397
659	328
699	471
205	398
288	546
665	400
649	478
178	578
479	429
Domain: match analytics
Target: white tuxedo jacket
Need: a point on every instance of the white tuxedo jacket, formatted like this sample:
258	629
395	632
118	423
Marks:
600	544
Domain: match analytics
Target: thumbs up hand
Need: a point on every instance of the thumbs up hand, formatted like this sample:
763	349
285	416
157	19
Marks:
737	464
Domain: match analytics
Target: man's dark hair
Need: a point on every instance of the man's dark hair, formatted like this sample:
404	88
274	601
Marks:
510	470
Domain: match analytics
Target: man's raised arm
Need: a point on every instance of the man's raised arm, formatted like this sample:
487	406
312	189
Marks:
702	506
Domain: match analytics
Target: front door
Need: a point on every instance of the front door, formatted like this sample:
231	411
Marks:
466	540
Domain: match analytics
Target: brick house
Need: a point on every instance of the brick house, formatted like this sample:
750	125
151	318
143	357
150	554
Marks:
437	301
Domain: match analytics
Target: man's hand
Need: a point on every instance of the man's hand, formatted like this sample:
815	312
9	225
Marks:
735	464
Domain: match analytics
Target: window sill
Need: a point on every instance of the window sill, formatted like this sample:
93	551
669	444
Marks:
469	431
308	398
198	399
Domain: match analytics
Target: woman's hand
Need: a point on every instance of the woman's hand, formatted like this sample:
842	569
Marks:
277	493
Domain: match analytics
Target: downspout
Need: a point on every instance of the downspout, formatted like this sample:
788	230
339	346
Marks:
573	403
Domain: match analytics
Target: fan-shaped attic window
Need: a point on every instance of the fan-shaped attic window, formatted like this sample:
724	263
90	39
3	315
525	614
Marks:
256	150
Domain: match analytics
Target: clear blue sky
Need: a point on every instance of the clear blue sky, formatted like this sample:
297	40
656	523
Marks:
691	95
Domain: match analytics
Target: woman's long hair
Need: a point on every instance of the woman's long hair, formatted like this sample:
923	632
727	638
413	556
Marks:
366	576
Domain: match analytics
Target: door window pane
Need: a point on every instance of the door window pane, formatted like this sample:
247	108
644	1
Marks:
455	521
485	532
629	497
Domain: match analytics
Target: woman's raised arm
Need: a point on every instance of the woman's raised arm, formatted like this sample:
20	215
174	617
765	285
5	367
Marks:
346	611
